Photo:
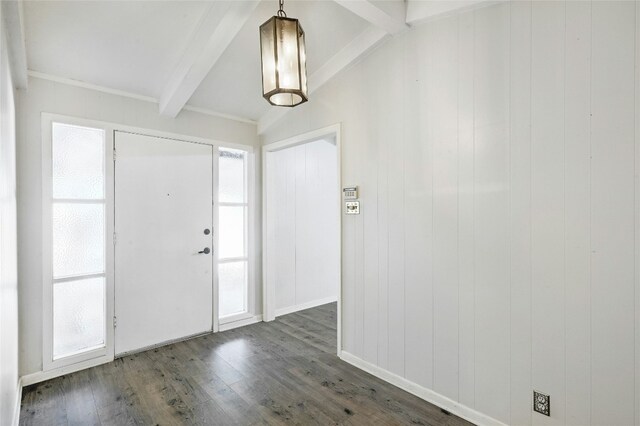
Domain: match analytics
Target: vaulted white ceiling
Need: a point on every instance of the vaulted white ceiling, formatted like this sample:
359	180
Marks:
234	85
125	45
204	54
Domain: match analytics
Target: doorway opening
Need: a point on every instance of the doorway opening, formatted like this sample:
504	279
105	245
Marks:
302	216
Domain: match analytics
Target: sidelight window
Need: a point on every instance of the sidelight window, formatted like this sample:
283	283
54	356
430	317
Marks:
77	252
233	258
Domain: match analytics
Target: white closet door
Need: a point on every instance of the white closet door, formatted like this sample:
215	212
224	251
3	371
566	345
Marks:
163	205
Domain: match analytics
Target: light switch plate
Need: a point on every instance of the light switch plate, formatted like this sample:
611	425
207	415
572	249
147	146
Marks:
352	207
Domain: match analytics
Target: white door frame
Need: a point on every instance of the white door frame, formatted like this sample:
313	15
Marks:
268	292
68	365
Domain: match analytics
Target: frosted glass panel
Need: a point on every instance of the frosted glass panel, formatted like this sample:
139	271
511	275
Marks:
232	238
287	50
232	176
232	287
78	162
78	316
78	239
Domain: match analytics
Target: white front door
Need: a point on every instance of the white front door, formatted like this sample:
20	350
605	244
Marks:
163	224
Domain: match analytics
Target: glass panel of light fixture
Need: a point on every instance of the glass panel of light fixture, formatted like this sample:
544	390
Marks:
287	45
268	56
303	62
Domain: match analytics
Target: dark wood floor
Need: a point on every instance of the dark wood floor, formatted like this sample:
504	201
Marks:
283	372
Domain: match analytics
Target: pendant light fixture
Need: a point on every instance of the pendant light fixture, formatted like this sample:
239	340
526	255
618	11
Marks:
284	71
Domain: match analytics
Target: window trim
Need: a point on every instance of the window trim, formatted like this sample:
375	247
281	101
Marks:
103	353
249	241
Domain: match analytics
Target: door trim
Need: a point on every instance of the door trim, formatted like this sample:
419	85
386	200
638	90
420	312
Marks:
104	355
268	293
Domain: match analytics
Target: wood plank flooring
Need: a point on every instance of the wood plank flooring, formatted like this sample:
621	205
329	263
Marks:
283	372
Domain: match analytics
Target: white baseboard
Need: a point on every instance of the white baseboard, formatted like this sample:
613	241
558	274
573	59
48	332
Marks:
240	323
41	376
303	306
428	395
16	410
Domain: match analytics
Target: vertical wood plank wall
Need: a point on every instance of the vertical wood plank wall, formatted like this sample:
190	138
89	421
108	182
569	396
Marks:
303	263
497	250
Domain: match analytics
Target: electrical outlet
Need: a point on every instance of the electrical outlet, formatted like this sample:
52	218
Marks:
541	403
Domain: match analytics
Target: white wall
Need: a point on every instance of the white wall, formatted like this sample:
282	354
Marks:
303	262
9	389
498	246
51	97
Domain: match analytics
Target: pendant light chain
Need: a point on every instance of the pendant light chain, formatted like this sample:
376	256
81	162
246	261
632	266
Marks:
281	11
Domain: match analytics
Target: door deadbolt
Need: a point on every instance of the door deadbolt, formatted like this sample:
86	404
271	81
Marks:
207	231
206	250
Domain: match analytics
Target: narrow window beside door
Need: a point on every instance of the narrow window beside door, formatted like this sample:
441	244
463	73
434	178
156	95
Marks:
78	239
232	236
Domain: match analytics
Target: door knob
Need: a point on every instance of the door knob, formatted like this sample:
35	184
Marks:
205	251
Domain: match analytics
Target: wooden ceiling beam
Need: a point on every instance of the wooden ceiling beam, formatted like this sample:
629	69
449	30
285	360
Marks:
392	23
216	30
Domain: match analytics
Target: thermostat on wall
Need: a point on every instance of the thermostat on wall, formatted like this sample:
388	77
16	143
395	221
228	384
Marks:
350	193
352	207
